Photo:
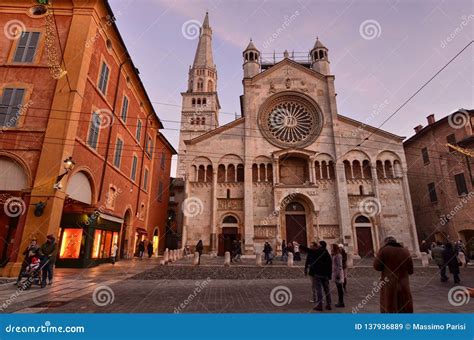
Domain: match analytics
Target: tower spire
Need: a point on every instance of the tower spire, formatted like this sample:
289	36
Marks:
203	57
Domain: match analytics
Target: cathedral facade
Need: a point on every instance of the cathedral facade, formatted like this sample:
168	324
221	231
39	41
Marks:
291	168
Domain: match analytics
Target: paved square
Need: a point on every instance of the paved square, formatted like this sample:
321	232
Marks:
147	287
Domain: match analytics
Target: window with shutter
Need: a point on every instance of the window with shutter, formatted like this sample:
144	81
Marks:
93	138
103	78
432	192
10	106
124	109
133	175
118	152
461	185
26	48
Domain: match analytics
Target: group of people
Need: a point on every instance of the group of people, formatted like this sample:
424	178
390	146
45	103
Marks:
323	267
449	257
141	249
38	261
291	247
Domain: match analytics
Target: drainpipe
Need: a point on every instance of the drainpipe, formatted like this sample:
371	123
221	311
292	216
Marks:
109	137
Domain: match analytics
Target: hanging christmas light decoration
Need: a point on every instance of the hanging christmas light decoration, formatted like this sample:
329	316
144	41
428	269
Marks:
54	58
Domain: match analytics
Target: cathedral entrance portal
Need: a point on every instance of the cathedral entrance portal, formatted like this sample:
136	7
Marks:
365	244
229	234
295	217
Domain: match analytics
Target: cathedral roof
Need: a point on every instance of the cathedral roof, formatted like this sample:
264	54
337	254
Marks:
203	57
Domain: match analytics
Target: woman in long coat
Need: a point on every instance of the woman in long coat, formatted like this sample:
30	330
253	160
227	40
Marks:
395	263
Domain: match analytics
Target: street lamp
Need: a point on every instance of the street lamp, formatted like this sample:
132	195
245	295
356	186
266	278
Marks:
68	166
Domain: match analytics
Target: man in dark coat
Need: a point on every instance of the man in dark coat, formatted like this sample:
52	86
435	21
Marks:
199	249
395	263
48	252
141	249
150	249
320	268
451	261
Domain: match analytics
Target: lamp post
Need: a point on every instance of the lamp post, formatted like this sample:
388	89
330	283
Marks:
68	166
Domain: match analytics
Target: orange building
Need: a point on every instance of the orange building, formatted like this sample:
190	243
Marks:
81	153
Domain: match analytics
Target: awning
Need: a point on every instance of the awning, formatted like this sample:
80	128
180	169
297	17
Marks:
111	218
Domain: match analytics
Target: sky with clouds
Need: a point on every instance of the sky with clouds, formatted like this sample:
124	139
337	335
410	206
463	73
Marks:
381	52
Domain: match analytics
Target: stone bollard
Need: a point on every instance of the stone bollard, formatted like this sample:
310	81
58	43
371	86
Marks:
166	256
227	259
173	252
180	254
424	260
162	262
350	260
258	259
290	260
196	259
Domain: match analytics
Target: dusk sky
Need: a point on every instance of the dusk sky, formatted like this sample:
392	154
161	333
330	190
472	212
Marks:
381	52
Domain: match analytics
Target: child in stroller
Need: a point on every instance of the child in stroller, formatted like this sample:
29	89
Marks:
31	274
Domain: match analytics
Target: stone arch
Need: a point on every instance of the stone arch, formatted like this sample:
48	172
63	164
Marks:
303	220
76	180
16	175
365	235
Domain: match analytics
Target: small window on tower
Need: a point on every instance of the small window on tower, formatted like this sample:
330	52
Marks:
203	121
193	102
192	121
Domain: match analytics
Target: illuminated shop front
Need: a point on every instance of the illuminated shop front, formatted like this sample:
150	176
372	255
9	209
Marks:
87	240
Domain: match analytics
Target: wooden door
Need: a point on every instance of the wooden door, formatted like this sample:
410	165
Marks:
296	229
365	245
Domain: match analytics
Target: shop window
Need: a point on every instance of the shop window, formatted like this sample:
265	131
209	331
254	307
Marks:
71	244
96	245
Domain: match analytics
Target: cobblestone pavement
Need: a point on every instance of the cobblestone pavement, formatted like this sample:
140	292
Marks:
147	287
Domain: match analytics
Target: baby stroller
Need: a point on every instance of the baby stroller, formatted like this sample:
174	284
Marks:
32	273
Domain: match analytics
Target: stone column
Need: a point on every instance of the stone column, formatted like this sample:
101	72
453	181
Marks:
277	171
248	209
378	219
214	212
312	175
410	214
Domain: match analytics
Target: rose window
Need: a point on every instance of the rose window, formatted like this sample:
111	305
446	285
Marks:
290	121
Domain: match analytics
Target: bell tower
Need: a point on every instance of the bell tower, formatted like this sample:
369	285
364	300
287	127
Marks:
319	58
200	105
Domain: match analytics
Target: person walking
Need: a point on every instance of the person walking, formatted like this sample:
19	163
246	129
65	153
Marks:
141	249
338	274
451	261
237	251
284	251
113	253
437	254
30	251
310	259
48	252
150	249
267	250
199	249
395	263
321	270
344	266
296	249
